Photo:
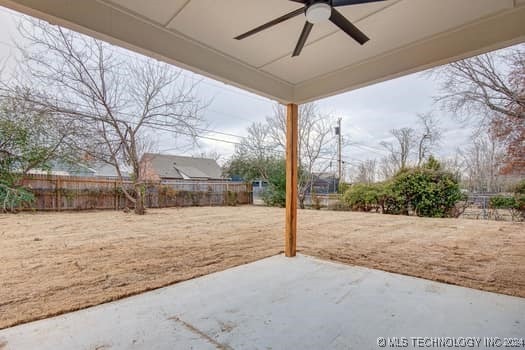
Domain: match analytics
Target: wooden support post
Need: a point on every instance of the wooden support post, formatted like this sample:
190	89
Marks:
290	235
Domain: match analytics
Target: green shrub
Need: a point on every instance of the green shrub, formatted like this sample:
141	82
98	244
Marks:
12	197
231	199
503	202
365	197
340	206
426	191
392	202
343	187
275	193
519	198
520	187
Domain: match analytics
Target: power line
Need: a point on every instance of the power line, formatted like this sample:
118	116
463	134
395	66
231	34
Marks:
370	151
362	145
194	135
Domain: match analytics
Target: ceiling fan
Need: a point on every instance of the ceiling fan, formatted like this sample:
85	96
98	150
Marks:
317	11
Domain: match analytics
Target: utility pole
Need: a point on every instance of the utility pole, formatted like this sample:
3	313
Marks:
339	149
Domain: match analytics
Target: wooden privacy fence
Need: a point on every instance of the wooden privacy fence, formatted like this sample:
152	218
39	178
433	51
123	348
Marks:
82	193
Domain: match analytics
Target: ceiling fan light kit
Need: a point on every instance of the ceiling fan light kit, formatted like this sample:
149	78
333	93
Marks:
317	11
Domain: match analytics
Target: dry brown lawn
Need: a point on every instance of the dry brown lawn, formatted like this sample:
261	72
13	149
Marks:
51	263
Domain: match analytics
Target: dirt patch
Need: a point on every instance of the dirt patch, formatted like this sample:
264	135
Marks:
58	262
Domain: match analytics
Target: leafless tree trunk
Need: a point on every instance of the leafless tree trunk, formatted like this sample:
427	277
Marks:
454	165
429	136
401	149
366	172
117	100
482	162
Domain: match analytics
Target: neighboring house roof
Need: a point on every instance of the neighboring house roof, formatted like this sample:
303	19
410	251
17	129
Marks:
63	168
178	167
87	169
108	170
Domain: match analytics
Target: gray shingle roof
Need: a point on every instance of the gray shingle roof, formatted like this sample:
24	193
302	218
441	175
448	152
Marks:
179	167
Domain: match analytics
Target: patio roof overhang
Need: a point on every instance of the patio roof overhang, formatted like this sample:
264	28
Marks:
406	36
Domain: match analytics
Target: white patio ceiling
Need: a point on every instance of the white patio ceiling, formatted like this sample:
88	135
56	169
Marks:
406	36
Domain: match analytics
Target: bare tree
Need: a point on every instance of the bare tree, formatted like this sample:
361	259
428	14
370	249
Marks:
254	153
387	168
482	163
400	150
484	84
366	172
490	90
454	165
429	136
216	156
117	100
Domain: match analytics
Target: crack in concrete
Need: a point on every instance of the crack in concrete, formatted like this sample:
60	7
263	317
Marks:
203	335
351	283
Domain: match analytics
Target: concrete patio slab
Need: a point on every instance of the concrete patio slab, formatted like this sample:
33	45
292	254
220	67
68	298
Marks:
282	303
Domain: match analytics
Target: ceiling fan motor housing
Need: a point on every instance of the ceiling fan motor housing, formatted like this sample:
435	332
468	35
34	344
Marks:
318	12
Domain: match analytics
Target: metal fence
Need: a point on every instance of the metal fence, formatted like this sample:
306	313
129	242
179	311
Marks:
478	207
58	193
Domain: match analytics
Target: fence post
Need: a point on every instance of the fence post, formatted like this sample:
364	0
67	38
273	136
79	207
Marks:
115	195
58	190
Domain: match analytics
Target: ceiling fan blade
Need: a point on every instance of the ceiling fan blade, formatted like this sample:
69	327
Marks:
272	23
336	3
302	39
339	20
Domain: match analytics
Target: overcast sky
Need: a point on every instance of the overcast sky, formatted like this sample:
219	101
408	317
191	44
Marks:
368	114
